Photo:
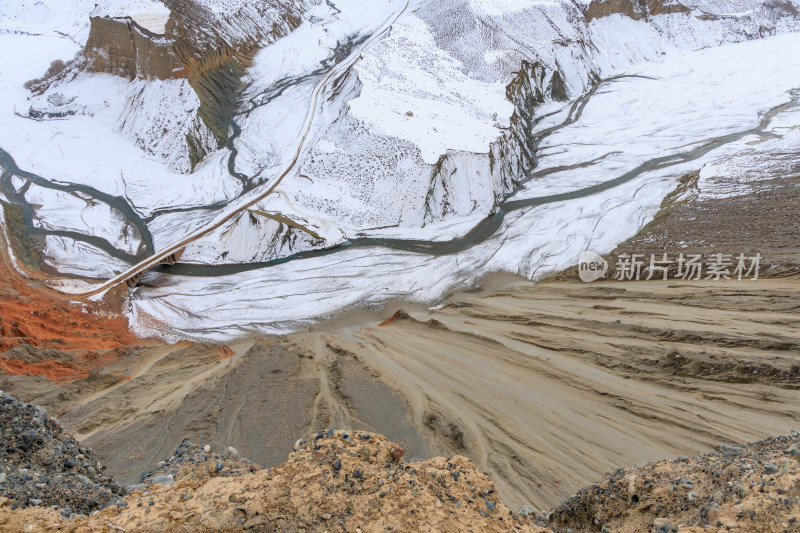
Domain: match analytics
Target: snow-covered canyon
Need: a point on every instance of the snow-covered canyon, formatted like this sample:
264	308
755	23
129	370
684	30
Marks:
470	137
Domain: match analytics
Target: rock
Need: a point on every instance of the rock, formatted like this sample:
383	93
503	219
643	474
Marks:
254	523
217	447
165	479
232	451
770	468
41	411
207	448
35	501
29	439
326	516
525	510
397	452
713	514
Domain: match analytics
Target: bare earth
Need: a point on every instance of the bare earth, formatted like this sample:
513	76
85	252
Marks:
341	481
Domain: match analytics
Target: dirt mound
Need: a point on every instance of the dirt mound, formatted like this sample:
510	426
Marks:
43	466
337	481
360	482
740	488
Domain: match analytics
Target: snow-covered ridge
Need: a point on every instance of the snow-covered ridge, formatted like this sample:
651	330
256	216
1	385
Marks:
463	107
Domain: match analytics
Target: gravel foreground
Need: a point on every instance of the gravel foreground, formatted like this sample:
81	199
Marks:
44	466
361	482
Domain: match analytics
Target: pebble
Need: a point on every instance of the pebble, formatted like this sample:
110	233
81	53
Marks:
207	448
770	468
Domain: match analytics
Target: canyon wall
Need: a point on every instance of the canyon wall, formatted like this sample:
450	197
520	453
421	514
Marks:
635	9
121	47
210	49
463	183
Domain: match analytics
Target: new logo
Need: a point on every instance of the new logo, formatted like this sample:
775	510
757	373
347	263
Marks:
591	266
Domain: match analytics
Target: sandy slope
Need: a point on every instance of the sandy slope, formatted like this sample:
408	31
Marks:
546	387
550	386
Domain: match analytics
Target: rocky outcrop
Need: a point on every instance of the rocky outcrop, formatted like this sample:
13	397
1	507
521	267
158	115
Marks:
464	184
513	157
460	186
217	49
120	46
335	481
211	49
635	9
